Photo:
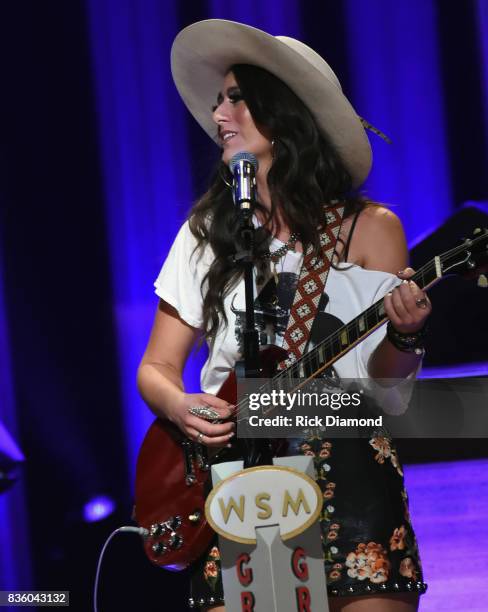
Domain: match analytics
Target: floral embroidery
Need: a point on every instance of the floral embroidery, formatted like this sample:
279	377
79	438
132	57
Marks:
408	568
382	562
334	575
336	571
385	450
368	561
211	570
321	450
214	553
397	540
307	449
404	539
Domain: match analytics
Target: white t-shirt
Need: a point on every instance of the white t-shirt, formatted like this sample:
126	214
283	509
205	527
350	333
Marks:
349	291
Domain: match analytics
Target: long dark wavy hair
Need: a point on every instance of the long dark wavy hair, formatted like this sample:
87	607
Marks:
306	175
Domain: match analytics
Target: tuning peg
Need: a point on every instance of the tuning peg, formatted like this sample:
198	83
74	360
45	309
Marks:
477	231
482	281
157	529
175	541
159	548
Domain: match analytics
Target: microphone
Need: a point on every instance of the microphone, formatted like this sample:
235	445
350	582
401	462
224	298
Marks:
244	167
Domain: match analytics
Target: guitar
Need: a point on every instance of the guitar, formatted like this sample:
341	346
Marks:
172	474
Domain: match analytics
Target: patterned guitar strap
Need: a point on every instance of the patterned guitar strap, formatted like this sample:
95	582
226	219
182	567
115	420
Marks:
310	287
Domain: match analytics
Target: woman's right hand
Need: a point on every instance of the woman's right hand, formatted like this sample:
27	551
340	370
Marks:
160	380
213	434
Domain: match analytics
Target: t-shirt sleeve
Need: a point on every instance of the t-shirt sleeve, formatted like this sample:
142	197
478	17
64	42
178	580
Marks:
179	282
394	399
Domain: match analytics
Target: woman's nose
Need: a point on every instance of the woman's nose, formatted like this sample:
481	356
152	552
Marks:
220	113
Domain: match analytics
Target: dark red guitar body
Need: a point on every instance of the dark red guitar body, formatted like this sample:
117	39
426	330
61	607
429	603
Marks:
162	493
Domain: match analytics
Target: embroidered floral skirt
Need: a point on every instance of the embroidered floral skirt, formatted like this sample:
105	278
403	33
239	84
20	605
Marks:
368	541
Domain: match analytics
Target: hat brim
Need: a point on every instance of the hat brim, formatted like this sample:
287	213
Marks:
203	52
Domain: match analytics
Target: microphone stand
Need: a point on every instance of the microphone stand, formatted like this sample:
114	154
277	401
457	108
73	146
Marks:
256	451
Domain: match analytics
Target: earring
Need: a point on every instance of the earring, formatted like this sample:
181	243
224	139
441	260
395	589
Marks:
221	174
273	152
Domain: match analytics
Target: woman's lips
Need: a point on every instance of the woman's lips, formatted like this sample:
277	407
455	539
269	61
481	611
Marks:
226	136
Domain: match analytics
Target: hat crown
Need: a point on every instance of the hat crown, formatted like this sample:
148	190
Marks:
203	53
312	57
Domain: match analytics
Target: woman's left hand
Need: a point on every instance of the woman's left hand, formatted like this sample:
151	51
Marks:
407	306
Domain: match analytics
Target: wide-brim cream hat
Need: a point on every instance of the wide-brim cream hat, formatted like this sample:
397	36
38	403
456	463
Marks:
203	52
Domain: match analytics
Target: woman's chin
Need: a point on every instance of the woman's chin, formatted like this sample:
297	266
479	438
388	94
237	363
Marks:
228	154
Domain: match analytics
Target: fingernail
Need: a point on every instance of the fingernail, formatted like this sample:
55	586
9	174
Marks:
400	273
232	434
389	294
404	281
229	445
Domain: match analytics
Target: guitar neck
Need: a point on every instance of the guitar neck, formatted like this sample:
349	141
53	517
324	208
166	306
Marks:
352	333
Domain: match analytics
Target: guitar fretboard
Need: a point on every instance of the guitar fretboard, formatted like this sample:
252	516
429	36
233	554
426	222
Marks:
347	336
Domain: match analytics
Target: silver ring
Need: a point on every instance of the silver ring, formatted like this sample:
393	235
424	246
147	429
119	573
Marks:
199	437
204	412
421	302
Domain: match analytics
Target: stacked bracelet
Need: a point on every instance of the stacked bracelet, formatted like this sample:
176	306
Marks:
408	343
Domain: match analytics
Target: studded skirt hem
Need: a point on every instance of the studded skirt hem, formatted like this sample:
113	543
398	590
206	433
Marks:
351	591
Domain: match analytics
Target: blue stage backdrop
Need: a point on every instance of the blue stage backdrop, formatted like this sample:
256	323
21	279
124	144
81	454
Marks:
394	56
143	141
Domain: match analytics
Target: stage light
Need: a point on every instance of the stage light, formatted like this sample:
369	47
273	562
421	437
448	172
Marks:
98	508
462	370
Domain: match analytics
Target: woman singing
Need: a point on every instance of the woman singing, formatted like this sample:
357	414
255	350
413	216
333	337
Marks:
276	98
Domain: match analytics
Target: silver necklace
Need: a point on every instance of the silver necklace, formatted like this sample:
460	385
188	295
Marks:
275	256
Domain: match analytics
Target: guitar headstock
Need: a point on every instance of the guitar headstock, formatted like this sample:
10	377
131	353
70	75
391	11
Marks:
470	259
